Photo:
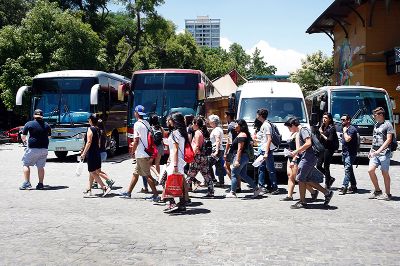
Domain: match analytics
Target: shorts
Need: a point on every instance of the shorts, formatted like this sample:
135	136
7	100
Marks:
103	156
142	167
381	160
307	171
35	156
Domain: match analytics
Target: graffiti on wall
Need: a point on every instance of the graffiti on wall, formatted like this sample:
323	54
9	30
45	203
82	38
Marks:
345	62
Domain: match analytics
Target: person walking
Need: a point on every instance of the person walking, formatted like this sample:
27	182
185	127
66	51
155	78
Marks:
37	148
216	158
200	163
329	139
228	155
241	159
177	140
380	154
91	152
266	149
137	148
306	173
349	154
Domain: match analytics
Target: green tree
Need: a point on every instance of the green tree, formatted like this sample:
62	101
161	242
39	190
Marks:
48	39
316	71
258	67
241	60
216	62
13	11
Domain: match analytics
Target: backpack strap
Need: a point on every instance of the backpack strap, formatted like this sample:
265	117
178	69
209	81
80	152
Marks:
173	137
147	133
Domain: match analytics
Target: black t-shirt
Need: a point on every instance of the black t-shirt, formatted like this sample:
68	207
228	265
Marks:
235	144
351	146
39	132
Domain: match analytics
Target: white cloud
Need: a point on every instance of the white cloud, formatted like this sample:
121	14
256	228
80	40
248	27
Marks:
225	43
285	60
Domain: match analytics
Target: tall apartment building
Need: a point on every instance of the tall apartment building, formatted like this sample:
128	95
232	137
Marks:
206	31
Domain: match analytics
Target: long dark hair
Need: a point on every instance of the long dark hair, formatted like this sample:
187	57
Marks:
153	121
329	115
199	121
179	124
244	127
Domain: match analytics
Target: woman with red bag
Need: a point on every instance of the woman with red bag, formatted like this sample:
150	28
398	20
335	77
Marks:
177	139
200	163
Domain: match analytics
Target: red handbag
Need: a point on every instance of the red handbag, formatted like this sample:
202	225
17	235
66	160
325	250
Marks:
173	186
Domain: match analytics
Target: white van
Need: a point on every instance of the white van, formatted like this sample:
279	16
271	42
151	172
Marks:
282	100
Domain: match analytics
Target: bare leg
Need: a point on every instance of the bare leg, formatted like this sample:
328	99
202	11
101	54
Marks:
386	180
133	182
228	169
150	181
302	190
373	177
103	175
40	174
27	173
318	187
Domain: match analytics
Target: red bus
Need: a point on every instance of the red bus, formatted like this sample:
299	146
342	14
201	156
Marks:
164	91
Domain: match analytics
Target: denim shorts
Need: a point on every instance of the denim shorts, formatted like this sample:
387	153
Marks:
35	156
381	160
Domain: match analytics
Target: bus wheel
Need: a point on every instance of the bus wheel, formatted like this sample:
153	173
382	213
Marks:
61	154
113	145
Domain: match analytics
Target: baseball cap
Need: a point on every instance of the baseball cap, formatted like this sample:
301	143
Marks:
140	110
38	113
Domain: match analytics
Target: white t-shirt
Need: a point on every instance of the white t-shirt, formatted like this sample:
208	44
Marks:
176	137
217	132
264	131
140	130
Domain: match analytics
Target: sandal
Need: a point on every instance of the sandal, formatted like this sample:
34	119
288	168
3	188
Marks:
106	190
87	192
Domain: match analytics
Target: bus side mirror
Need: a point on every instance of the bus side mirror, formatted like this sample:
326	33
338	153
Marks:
314	119
393	102
94	94
20	94
201	91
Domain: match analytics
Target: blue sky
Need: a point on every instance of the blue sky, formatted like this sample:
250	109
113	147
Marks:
277	28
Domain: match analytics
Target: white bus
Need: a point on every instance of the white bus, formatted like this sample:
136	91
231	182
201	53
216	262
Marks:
282	100
356	101
67	98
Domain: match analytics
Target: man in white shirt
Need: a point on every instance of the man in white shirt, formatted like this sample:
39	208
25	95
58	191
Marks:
266	148
137	149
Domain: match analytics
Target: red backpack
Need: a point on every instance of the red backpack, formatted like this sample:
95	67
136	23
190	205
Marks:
188	154
151	148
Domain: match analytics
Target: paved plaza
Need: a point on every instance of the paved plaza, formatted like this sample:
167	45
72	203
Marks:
57	226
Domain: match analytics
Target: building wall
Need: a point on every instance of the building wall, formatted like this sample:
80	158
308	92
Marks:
204	30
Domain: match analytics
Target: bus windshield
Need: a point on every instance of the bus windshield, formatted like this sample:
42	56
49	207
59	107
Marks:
359	105
279	109
162	93
63	100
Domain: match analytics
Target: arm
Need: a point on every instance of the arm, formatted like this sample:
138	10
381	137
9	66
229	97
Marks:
239	151
88	143
386	144
267	145
196	143
302	148
175	156
133	146
217	144
346	136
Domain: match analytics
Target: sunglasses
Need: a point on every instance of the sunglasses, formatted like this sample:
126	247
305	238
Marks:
343	119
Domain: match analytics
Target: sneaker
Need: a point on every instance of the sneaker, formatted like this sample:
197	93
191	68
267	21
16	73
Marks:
209	195
39	186
331	182
328	198
144	190
275	191
231	195
343	191
299	205
25	185
171	208
95	185
154	198
125	195
218	184
384	196
375	194
287	198
106	190
238	190
228	190
314	195
257	192
110	182
352	189
188	202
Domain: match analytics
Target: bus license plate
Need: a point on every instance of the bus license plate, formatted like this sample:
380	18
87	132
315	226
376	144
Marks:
278	165
61	148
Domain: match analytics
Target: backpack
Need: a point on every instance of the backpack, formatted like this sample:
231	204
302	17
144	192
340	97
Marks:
151	148
206	148
158	136
188	153
275	135
317	146
393	144
250	150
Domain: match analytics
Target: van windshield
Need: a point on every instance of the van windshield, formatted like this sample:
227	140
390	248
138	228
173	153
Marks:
279	109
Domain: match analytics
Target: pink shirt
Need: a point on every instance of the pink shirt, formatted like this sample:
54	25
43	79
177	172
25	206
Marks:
198	136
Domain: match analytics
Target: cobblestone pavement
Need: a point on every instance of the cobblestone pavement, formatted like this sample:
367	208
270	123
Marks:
59	226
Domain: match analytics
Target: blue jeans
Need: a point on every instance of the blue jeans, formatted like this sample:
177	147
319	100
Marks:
241	171
348	161
269	165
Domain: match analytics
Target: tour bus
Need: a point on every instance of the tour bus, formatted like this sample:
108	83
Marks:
164	91
68	97
356	101
282	100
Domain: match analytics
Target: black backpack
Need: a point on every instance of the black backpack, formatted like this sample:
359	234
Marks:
207	147
250	149
393	144
317	146
275	135
158	136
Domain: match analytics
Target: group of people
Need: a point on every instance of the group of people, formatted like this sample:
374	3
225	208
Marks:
304	166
